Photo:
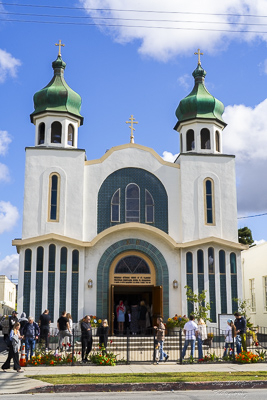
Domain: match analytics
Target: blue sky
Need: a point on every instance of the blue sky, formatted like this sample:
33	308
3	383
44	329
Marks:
139	70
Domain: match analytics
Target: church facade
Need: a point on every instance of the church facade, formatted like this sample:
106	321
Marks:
129	225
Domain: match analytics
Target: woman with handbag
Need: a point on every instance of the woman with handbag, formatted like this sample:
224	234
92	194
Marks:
14	349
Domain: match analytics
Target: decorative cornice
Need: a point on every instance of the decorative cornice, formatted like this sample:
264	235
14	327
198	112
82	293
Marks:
51	237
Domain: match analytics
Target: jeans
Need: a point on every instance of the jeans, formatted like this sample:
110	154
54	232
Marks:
30	347
199	346
62	334
192	342
161	351
226	345
241	340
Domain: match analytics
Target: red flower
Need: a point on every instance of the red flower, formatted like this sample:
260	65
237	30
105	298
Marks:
110	341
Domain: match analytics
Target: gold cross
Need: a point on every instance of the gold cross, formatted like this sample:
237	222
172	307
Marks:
131	127
198	54
59	47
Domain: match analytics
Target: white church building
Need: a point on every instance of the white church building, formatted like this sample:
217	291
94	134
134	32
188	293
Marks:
129	225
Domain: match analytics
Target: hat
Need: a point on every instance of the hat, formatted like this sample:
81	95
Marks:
14	312
230	321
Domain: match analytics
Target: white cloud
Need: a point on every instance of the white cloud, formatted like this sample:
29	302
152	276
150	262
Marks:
8	216
8	65
9	266
4	173
5	139
167	156
257	242
185	81
162	44
246	137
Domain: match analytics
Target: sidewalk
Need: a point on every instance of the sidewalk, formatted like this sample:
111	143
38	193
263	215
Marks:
13	382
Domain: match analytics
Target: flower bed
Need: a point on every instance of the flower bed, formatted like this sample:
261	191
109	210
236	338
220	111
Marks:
246	357
50	359
178	321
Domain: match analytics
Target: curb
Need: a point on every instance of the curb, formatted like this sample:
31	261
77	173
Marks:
160	387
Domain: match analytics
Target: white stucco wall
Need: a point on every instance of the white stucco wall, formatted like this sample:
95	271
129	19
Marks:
254	266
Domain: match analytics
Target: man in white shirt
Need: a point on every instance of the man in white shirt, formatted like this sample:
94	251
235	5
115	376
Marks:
191	332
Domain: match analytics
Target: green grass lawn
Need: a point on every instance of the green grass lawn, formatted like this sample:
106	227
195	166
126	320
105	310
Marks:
156	377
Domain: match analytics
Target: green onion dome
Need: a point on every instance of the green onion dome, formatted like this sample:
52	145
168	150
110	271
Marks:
57	96
199	104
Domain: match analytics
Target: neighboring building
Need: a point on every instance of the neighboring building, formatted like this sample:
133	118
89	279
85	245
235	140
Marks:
254	271
128	225
7	295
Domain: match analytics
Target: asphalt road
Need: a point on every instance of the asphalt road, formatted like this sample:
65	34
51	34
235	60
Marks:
259	394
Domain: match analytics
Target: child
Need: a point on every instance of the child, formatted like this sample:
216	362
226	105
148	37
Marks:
230	334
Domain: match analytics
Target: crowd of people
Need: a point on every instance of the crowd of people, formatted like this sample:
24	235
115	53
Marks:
135	318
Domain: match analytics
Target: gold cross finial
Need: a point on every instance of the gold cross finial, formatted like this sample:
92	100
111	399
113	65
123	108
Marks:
131	127
59	44
198	54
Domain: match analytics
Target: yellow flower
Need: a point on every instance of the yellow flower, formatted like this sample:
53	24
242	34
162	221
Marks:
99	321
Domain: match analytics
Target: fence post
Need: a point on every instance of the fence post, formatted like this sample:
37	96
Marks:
154	346
180	345
128	346
72	360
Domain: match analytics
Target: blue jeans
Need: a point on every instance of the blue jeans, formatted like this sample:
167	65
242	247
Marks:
199	346
238	344
161	351
226	345
192	342
30	347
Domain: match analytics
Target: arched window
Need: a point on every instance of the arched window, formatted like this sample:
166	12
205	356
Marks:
132	203
51	280
56	132
205	138
233	263
27	281
54	197
211	260
70	135
75	285
217	140
189	263
200	262
222	261
41	133
190	140
115	206
39	281
209	201
181	143
63	279
132	265
149	208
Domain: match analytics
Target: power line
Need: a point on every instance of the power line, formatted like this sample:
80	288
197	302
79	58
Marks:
131	19
131	10
252	216
131	26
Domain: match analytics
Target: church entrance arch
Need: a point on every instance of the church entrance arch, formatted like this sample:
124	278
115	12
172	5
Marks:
133	270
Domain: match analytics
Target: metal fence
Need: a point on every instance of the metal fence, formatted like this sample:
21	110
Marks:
144	348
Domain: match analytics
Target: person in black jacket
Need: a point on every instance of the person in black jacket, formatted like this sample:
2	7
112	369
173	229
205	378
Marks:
31	333
86	339
12	320
102	332
241	329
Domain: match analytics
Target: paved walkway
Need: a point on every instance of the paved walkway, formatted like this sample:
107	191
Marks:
13	382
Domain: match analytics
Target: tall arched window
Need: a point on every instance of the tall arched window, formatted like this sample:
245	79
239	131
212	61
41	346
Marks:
189	278
115	206
63	279
190	140
51	280
39	281
223	281
205	138
132	200
56	132
75	285
217	140
27	281
189	263
54	185
212	291
149	208
181	143
234	294
70	135
200	270
41	133
209	201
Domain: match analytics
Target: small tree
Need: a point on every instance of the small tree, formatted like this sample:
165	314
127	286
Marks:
243	306
245	236
200	307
